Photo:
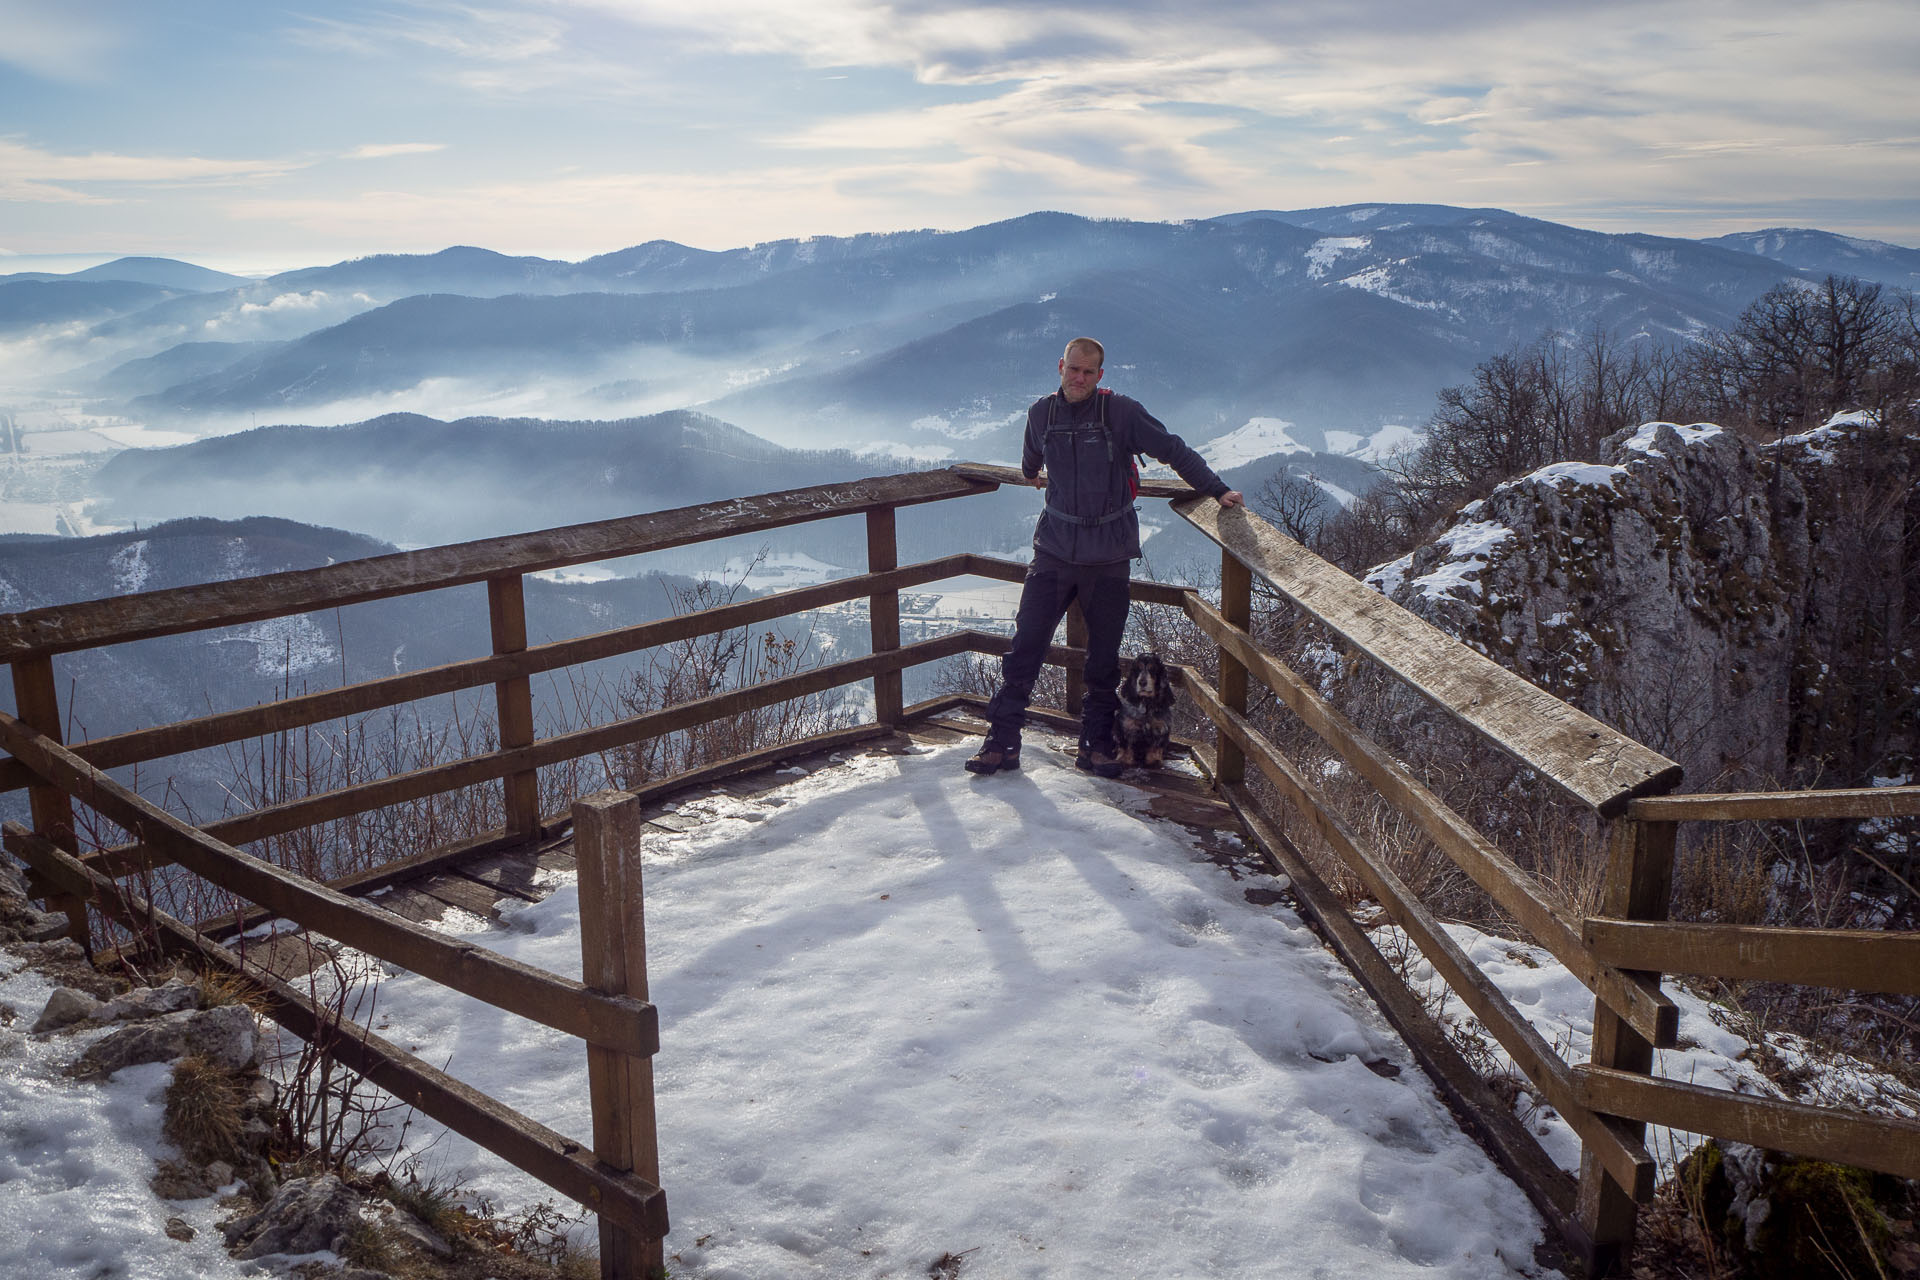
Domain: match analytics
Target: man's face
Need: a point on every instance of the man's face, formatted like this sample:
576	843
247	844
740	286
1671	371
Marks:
1079	375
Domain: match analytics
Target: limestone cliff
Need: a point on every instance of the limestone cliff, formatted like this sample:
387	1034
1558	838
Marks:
1744	609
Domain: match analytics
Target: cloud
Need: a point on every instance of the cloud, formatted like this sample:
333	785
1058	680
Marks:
380	151
24	167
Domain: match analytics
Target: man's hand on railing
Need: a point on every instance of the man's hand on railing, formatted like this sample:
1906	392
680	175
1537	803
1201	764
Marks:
1232	498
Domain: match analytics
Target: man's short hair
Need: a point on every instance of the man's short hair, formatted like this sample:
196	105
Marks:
1086	345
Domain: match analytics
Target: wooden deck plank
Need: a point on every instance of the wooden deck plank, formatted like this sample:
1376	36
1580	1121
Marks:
513	873
459	891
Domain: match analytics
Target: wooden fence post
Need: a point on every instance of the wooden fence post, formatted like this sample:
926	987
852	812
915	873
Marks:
1077	663
883	613
1236	605
613	954
37	699
513	701
1639	886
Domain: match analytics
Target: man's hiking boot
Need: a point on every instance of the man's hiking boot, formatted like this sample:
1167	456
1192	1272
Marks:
1101	764
992	759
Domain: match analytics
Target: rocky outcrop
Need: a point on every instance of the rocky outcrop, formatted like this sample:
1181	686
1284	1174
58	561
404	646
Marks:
1743	609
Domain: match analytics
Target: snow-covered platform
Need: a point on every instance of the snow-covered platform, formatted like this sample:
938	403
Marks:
1033	1024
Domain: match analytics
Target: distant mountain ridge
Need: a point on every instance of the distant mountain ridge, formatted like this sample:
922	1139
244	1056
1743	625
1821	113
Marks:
1344	318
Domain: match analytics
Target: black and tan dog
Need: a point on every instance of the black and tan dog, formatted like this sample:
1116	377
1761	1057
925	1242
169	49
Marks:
1146	697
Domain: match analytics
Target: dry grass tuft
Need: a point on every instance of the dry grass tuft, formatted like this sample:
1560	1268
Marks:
204	1109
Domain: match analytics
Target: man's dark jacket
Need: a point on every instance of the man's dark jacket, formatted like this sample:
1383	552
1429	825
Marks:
1087	450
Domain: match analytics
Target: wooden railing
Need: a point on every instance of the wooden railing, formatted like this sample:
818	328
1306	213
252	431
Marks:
1619	955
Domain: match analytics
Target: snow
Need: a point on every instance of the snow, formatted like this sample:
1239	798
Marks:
1471	545
1325	252
1642	440
779	571
910	1011
906	1012
1573	474
75	1160
1386	578
1382	444
1819	442
1259	438
130	568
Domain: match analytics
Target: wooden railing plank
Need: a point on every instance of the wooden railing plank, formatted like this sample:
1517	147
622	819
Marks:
1623	1155
1840	802
58	628
513	700
1141	590
1847	959
1886	1143
1639	886
399	788
995	474
224	727
1551	923
1590	762
629	1025
883	613
613	958
623	1197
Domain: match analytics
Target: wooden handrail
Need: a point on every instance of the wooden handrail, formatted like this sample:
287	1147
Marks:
1886	1143
1840	802
560	1163
59	628
1624	1157
417	784
632	1026
1550	922
1589	761
1846	959
223	727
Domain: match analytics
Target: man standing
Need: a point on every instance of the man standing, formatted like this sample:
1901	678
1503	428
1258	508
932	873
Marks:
1087	536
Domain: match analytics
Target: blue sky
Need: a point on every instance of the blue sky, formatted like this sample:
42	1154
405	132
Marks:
255	135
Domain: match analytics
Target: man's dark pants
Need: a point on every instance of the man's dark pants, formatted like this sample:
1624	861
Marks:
1050	587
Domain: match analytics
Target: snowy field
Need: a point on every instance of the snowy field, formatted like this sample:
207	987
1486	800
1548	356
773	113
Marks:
907	1012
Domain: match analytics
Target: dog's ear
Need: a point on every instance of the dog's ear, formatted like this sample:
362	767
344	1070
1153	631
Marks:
1126	670
1175	679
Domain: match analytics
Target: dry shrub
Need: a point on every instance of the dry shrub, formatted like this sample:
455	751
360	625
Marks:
1721	880
204	1109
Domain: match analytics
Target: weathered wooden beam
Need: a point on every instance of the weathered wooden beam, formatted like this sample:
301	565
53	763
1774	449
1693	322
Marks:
513	700
629	1025
1141	590
883	613
1846	959
993	474
1236	619
1587	760
1485	1115
37	699
1624	1156
1886	1143
59	628
623	1197
1639	886
1840	802
224	727
1547	919
613	955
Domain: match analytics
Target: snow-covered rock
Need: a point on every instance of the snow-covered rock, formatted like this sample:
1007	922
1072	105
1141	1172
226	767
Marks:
1740	608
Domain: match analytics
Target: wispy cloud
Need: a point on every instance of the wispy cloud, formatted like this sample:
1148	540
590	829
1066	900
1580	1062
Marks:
23	165
381	150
